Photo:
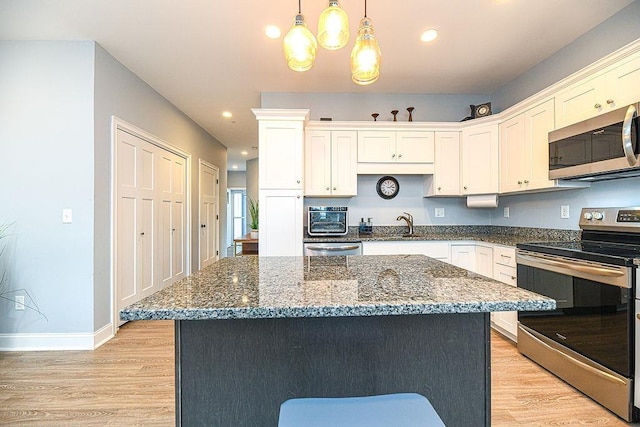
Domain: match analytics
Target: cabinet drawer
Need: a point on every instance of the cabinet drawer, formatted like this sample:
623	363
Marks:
504	255
505	274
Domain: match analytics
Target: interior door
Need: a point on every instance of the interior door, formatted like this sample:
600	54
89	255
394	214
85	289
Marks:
209	252
150	227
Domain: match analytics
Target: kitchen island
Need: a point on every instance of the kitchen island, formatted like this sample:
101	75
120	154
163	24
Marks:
252	332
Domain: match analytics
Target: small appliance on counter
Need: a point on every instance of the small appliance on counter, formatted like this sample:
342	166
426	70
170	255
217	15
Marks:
328	221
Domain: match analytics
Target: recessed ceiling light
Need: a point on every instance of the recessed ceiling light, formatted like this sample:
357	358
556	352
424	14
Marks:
244	152
234	167
429	35
227	114
272	31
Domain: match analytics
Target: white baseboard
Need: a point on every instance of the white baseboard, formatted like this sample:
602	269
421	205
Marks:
54	342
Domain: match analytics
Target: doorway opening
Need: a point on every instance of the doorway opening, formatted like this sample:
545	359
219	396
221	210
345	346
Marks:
237	216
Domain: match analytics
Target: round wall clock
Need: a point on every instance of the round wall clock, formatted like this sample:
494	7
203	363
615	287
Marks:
387	187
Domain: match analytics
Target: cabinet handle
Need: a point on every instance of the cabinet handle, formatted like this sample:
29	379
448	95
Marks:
610	101
203	225
597	106
439	188
327	188
335	188
399	155
393	156
298	197
513	278
298	181
465	187
519	182
142	234
526	181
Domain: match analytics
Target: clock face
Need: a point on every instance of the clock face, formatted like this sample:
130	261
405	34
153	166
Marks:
387	187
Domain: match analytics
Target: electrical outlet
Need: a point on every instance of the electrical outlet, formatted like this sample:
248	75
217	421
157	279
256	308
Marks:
564	211
506	212
439	212
19	299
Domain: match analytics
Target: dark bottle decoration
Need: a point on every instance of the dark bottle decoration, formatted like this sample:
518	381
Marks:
395	113
375	117
410	110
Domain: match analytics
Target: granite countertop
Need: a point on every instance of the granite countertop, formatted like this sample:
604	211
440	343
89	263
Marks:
289	287
508	236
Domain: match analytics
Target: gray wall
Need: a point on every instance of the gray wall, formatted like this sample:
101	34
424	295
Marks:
616	32
46	141
56	106
359	107
236	179
121	93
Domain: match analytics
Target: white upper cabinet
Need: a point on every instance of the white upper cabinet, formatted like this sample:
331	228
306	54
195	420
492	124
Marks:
524	152
480	159
385	151
280	151
330	163
445	180
612	88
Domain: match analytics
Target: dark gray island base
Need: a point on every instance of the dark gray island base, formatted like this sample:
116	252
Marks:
254	332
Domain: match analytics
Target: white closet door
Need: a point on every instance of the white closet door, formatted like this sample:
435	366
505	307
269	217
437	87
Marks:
208	215
150	218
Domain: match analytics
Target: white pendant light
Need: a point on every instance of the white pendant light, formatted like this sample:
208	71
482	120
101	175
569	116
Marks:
300	45
333	27
365	56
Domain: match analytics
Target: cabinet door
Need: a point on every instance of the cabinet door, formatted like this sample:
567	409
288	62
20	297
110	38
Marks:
446	174
376	147
280	154
317	165
344	163
464	256
513	150
579	102
480	160
538	122
281	213
484	261
623	84
414	147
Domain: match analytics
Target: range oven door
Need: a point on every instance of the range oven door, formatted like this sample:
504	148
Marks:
588	339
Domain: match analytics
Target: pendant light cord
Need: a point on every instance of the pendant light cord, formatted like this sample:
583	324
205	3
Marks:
300	7
365	8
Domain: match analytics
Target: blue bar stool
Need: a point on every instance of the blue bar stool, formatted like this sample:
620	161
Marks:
387	410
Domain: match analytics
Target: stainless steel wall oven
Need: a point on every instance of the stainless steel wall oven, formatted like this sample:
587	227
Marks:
589	340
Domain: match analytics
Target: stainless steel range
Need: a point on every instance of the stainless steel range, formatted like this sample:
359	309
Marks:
591	339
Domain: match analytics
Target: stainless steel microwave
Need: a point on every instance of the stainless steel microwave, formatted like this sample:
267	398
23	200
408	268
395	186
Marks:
603	147
328	220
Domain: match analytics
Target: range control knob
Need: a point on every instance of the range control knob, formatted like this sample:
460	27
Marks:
588	216
598	216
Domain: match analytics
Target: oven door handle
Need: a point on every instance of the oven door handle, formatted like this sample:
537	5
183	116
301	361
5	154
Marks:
583	365
333	248
575	265
627	141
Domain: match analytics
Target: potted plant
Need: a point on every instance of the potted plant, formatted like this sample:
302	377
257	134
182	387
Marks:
254	214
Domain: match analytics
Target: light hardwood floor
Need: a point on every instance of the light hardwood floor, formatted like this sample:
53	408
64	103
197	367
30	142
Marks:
129	381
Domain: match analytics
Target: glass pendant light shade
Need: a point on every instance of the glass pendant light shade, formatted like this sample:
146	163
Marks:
300	46
366	55
333	27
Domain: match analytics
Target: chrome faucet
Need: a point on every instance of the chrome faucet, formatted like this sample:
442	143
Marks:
409	219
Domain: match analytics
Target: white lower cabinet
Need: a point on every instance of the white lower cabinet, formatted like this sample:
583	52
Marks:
437	250
504	270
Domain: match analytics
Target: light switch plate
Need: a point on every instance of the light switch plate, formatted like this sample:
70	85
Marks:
67	216
439	212
506	212
564	211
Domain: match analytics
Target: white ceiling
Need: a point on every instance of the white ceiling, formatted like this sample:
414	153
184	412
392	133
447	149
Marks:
210	56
